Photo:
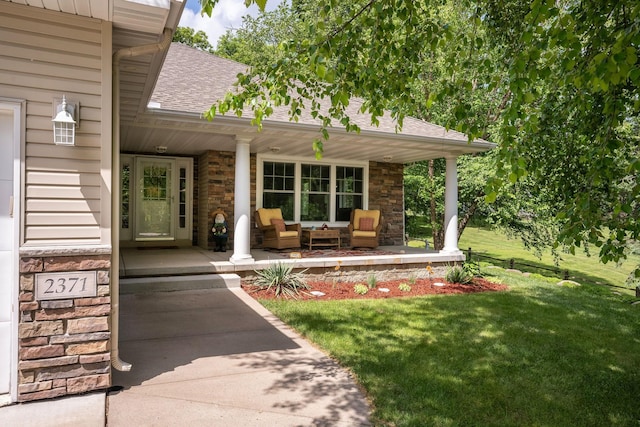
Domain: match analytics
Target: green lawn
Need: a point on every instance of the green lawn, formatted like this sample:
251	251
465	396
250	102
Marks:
537	355
582	268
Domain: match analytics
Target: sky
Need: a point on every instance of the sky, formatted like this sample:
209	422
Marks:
227	14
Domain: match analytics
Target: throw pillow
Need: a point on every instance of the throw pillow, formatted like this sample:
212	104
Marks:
366	224
279	223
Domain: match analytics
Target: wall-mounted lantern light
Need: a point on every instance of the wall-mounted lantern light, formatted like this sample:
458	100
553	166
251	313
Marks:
64	122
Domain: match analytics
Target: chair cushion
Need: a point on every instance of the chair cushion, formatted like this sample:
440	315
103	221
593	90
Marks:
288	234
279	223
366	224
359	213
358	233
267	214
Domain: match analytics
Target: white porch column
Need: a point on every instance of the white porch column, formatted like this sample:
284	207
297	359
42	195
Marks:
451	208
242	203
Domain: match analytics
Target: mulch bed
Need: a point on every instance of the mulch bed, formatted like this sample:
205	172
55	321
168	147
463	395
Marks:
344	290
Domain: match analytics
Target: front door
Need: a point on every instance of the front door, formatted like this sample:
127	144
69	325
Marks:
155	199
9	146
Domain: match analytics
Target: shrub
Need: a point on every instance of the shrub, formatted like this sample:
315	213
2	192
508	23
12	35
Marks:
412	278
458	274
404	287
360	289
371	281
281	279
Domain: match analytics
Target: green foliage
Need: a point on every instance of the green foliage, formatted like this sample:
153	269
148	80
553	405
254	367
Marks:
256	41
412	278
188	36
404	287
555	84
281	279
458	274
371	281
360	289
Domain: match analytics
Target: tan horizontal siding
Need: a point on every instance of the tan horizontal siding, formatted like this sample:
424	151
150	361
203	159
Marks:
57	178
67	219
62	233
43	136
29	36
44	55
62	192
74	154
48	205
56	85
62	71
61	165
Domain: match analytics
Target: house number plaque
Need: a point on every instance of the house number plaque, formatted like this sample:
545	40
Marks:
70	284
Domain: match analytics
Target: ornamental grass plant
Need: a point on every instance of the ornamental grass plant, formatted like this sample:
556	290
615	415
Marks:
282	280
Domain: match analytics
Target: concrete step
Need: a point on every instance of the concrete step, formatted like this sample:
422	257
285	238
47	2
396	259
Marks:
136	285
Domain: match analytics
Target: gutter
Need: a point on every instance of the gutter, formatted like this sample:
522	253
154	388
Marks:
129	52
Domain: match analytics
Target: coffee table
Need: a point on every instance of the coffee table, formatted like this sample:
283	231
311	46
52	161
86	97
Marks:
320	238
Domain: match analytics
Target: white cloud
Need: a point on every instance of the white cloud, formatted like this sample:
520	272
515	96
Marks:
227	14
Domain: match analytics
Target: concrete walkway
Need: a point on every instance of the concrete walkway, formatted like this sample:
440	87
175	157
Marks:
217	357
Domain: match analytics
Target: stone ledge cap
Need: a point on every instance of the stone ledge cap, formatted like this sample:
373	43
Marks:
36	251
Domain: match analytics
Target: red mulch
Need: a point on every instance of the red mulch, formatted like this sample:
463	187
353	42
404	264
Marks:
344	290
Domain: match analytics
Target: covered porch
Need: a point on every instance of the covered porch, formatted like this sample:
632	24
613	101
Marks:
196	168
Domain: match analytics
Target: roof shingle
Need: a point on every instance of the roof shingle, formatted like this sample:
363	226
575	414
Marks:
192	80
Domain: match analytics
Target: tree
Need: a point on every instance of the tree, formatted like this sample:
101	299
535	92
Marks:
568	80
256	42
188	36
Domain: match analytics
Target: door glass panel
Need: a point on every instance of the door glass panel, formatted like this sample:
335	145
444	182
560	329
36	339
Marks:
154	199
182	214
125	195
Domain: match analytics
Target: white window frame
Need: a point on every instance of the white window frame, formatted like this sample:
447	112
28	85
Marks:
298	161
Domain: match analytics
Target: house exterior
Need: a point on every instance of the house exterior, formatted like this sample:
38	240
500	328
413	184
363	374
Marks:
56	250
275	167
146	170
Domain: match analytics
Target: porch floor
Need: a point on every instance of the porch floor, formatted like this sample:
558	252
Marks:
147	262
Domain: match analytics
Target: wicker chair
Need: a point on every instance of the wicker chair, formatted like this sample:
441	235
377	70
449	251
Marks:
277	234
364	228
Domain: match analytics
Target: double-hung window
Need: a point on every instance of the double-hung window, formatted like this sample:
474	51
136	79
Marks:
315	192
349	191
278	181
312	193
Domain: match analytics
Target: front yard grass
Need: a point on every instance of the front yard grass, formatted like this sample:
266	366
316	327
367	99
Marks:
537	355
582	268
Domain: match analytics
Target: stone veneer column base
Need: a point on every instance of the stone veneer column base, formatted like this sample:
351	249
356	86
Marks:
64	345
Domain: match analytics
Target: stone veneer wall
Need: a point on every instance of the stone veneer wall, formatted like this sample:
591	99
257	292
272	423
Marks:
216	186
64	345
386	192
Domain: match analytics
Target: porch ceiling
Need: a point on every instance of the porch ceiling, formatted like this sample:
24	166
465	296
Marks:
187	135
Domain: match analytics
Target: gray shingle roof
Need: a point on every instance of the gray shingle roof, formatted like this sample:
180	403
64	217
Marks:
191	81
